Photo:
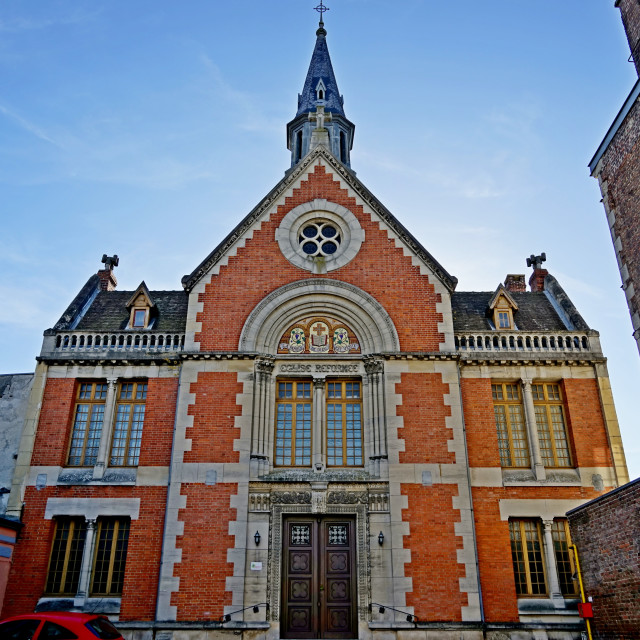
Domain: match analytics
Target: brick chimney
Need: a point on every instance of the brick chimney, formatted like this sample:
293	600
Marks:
630	13
515	283
108	280
536	280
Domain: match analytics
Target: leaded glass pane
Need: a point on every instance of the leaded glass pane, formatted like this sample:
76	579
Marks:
66	557
293	424
513	445
564	563
135	438
303	434
110	556
535	560
544	437
528	560
120	432
354	435
334	434
500	413
518	558
559	436
78	435
520	446
284	432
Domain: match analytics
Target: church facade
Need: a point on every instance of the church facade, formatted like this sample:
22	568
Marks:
318	436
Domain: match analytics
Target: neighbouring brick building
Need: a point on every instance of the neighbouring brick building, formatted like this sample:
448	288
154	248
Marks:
616	165
318	436
607	534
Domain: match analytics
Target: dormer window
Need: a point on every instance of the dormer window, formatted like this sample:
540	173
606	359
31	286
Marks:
321	91
501	309
141	308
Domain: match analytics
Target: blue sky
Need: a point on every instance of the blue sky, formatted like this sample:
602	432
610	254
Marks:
149	129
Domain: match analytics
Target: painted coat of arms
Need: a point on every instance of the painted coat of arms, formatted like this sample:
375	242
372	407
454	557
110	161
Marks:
319	338
296	340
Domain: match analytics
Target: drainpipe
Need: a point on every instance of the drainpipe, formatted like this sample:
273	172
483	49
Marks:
473	519
166	508
582	598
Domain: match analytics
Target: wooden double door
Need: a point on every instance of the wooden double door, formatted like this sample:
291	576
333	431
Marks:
319	578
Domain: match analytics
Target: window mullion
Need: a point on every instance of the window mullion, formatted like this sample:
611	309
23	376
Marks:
87	560
532	430
343	415
319	408
107	429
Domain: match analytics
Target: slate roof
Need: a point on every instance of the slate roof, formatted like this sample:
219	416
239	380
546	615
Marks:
535	312
320	67
108	312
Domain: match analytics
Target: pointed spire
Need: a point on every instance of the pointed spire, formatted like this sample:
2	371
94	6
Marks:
320	73
320	90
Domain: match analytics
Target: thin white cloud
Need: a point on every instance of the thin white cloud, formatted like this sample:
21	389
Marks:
28	126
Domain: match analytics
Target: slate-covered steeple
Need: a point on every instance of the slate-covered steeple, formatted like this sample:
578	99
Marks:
320	118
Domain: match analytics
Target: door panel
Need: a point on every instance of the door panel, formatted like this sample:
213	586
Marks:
319	596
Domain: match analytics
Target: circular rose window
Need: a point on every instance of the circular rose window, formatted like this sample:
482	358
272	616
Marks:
320	236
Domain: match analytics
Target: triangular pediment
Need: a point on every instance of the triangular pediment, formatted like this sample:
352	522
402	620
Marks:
293	178
141	297
502	298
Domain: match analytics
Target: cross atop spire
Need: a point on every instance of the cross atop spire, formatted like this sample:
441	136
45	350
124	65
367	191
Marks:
321	9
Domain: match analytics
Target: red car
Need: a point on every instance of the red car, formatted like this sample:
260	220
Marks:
58	625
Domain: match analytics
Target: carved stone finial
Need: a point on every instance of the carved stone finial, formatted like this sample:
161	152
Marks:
536	261
110	261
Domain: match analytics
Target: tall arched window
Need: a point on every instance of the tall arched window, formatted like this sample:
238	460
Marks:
343	147
299	145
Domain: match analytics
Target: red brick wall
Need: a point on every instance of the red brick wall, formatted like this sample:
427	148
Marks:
494	547
159	418
482	437
31	555
56	418
630	13
621	175
433	543
204	567
586	424
607	534
494	557
380	269
213	432
56	415
424	415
